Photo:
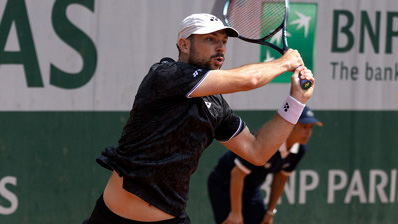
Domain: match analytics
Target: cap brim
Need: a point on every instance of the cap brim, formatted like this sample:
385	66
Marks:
231	32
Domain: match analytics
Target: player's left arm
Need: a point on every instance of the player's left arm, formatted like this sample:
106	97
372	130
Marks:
236	190
277	186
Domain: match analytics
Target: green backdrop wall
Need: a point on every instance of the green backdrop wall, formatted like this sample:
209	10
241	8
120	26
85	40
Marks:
52	155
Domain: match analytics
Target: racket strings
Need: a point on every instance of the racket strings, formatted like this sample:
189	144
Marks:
256	19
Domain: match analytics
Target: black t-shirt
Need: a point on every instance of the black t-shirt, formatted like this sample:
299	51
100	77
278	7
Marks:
166	134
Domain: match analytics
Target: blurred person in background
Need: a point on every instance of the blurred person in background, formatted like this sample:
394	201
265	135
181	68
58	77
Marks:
234	184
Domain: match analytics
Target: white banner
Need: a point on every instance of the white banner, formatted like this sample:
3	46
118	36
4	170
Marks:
92	55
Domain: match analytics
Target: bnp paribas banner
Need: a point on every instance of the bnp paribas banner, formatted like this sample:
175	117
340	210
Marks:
69	71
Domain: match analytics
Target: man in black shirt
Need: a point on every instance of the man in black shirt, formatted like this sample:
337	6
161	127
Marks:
177	112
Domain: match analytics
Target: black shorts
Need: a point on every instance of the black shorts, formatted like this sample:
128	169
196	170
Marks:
103	215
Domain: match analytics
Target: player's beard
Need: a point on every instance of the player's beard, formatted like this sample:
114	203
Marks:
202	63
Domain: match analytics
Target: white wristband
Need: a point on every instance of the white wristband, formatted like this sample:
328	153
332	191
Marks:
291	110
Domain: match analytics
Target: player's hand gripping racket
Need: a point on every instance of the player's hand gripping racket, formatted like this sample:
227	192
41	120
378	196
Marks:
258	20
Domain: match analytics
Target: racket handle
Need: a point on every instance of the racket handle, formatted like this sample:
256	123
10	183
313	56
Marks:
304	83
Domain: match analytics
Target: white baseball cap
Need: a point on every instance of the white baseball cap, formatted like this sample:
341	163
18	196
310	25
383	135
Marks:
203	23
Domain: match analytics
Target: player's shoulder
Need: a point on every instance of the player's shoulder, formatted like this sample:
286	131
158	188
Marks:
164	67
164	63
167	60
169	65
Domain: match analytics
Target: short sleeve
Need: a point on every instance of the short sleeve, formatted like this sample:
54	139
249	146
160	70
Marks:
241	166
294	159
231	124
244	165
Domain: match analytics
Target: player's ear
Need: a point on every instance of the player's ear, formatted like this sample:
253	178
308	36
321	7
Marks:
183	45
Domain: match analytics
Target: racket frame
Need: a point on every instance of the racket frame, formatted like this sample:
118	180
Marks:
263	40
305	84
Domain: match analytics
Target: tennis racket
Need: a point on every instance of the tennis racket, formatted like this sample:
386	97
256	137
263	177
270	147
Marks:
258	20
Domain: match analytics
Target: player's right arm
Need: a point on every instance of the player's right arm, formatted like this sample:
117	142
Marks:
259	148
247	77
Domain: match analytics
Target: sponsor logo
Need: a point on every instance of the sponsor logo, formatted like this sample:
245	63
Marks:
196	73
301	31
286	107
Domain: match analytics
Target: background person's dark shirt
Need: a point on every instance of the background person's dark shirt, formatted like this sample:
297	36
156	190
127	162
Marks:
221	174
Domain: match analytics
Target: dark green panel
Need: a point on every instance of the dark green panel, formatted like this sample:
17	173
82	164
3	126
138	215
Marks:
52	155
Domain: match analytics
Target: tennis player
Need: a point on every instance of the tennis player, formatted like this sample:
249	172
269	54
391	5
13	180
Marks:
177	112
234	184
